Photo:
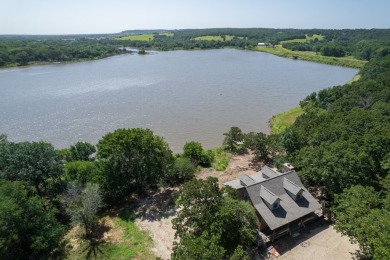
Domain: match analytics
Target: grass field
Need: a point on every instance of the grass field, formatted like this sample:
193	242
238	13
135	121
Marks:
312	56
138	37
308	38
283	120
143	37
122	240
214	38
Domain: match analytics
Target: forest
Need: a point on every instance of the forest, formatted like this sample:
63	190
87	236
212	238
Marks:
340	146
361	44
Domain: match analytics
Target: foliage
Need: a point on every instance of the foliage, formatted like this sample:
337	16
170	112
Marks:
82	172
194	151
198	247
232	139
359	216
342	143
213	218
82	151
220	159
82	204
23	50
132	160
37	163
182	170
28	229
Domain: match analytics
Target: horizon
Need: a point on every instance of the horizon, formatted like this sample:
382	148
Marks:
110	33
87	17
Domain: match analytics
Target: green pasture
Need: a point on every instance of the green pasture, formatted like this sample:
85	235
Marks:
214	38
313	56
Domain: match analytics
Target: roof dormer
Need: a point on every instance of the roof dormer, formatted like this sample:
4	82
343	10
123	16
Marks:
270	199
294	190
246	180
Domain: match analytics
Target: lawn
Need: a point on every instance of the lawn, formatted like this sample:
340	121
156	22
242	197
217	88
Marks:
312	56
214	38
283	120
143	37
138	37
120	238
308	38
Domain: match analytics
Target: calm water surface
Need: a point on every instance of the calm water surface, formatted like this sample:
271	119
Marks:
180	95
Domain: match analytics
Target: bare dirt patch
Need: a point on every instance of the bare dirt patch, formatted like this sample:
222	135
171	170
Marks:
154	215
238	164
318	241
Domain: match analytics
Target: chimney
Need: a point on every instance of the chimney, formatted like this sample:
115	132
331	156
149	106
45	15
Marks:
288	167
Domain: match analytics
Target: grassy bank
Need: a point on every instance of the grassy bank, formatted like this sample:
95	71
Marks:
283	120
312	56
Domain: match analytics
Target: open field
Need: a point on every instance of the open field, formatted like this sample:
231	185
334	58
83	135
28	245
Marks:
283	120
143	37
214	38
312	56
118	237
308	38
138	37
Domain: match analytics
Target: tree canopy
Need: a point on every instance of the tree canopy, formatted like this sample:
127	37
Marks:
133	160
28	228
211	223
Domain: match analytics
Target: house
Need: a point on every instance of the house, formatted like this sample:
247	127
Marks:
281	201
265	44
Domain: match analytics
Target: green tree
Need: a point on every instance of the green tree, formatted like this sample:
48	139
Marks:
194	151
83	205
28	229
37	163
132	160
182	170
233	138
82	172
358	215
214	215
81	151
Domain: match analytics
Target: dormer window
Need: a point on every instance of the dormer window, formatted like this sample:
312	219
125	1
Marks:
292	189
270	199
299	195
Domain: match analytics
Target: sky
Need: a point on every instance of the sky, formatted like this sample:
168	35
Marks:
112	16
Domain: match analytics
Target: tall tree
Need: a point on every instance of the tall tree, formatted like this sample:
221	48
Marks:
37	163
28	229
133	160
81	151
214	219
232	139
82	204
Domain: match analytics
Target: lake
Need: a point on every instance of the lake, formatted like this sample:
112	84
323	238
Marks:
180	95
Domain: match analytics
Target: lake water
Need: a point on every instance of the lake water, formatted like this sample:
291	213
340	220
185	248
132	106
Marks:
180	95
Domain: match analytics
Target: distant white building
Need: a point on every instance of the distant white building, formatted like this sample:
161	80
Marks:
264	44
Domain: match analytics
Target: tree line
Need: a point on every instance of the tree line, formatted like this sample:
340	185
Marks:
22	50
341	145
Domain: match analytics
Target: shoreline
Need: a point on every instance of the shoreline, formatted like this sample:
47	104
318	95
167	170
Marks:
277	51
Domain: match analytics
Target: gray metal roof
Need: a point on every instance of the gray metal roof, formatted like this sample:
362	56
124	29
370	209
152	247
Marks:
289	209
